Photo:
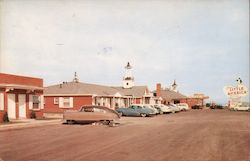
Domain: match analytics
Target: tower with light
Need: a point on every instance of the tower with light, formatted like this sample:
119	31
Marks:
128	79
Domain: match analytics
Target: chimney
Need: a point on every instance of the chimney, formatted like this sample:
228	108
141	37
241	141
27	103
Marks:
158	89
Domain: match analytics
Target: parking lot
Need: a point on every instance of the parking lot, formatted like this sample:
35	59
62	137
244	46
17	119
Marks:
202	135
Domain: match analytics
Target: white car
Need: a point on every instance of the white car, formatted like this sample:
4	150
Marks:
183	106
242	107
163	108
152	108
174	108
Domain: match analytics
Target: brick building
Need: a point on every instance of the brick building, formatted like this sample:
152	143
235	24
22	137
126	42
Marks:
171	95
74	94
20	95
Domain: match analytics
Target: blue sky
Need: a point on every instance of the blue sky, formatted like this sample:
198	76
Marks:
203	44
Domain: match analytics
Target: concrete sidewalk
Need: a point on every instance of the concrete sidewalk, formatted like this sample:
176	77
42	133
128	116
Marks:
27	123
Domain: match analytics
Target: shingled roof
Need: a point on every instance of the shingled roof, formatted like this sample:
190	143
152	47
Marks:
78	88
170	95
136	91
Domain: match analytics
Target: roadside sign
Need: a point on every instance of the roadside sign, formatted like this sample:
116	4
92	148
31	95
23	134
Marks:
235	93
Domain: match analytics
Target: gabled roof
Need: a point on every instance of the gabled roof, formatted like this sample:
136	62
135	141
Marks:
78	88
170	95
136	91
75	88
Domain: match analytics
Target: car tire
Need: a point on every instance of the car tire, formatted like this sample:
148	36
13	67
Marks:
70	122
105	122
120	113
143	115
111	124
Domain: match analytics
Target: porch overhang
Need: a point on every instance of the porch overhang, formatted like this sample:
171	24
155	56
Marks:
18	86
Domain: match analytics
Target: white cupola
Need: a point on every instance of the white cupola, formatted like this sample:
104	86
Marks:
128	79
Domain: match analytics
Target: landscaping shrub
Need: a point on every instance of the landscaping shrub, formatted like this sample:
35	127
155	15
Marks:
33	115
5	117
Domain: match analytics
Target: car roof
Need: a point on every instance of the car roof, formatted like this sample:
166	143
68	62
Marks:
100	107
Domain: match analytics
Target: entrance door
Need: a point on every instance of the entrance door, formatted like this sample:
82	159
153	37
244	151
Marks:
22	105
11	106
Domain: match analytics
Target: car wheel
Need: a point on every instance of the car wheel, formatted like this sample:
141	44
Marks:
143	115
105	122
161	112
111	123
70	122
120	113
173	111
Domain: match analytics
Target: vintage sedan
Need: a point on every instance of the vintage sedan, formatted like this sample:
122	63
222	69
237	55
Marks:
242	107
135	110
90	114
174	108
183	106
163	108
151	107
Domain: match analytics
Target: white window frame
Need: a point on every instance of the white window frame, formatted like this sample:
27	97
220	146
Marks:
1	101
62	101
56	100
40	104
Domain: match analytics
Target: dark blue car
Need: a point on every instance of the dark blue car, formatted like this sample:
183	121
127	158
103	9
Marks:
135	110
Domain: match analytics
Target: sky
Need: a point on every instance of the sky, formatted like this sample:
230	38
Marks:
202	44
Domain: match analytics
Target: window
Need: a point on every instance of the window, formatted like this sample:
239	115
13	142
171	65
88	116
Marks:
56	101
89	109
1	101
36	102
99	110
66	102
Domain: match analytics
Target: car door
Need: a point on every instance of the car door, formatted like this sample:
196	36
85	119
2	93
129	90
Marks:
133	111
140	110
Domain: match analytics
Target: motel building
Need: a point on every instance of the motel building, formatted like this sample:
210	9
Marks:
72	95
173	96
20	95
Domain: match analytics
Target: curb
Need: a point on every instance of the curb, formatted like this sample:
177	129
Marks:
28	125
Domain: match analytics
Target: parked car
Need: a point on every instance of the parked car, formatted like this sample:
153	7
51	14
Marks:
216	107
163	108
196	107
135	110
90	114
156	111
174	108
183	106
242	107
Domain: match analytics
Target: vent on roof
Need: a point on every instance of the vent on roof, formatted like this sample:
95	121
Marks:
76	80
